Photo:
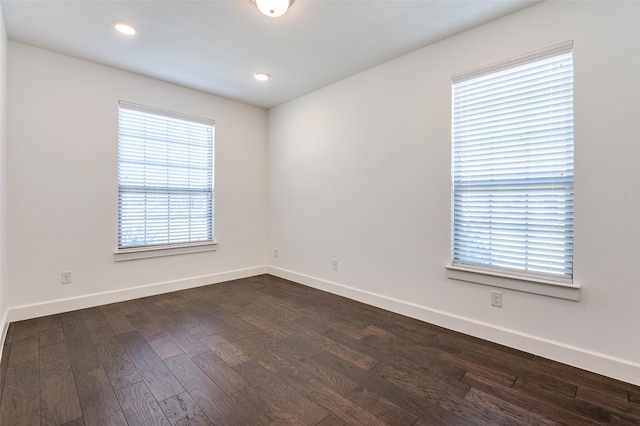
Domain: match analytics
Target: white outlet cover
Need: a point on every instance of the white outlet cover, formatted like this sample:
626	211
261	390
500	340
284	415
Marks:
496	299
65	277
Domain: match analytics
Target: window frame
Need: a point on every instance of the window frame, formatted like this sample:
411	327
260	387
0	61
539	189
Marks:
507	277
124	253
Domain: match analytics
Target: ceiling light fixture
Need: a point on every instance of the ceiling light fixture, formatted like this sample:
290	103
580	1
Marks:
124	28
273	8
261	76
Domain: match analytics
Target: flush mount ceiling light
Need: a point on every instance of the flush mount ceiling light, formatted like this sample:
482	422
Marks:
261	76
124	28
273	8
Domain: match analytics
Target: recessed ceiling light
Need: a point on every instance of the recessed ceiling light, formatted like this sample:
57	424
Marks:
124	28
261	76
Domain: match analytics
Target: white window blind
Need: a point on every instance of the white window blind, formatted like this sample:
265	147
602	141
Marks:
165	178
512	171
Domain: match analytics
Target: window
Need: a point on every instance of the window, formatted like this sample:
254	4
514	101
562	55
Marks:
165	179
512	168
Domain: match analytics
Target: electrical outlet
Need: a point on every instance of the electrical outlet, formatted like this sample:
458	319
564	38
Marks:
334	264
496	299
65	277
276	253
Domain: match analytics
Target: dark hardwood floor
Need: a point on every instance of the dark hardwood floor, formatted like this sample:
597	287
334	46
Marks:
267	351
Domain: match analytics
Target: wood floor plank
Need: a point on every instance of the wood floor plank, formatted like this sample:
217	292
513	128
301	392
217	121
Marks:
220	372
263	355
281	393
295	297
427	363
116	319
147	328
398	395
25	330
129	307
502	412
209	397
181	410
417	332
82	351
99	404
481	370
357	358
382	408
530	371
20	403
157	376
76	422
206	320
25	350
227	351
139	406
280	306
545	383
49	322
332	401
583	407
312	368
77	315
267	326
165	347
331	421
622	409
52	336
59	401
188	343
614	388
309	323
93	318
180	316
217	306
114	359
447	394
244	328
262	409
533	404
97	400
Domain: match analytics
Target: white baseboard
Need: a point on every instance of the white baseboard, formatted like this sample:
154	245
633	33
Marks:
18	313
617	368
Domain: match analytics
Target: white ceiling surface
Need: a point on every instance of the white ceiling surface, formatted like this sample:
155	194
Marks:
216	45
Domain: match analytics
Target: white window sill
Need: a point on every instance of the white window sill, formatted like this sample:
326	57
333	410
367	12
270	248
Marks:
168	250
514	282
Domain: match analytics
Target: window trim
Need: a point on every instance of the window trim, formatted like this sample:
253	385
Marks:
170	249
547	52
555	287
522	283
148	252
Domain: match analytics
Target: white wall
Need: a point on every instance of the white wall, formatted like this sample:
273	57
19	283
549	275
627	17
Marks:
62	185
359	171
3	170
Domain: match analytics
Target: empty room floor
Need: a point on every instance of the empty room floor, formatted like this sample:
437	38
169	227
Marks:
263	350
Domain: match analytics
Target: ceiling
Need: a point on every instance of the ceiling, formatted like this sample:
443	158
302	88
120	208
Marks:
216	45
